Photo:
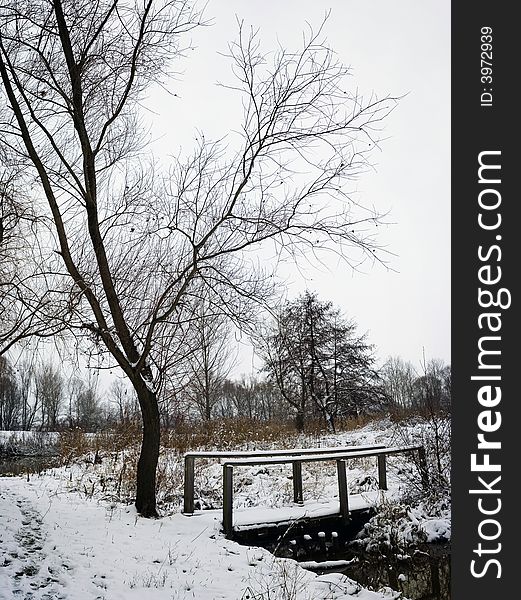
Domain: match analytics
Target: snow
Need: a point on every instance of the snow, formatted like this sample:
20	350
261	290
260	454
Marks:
27	442
436	528
68	535
399	525
326	564
288	452
261	517
59	545
351	455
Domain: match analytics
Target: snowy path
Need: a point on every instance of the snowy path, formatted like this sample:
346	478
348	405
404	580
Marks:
56	545
26	570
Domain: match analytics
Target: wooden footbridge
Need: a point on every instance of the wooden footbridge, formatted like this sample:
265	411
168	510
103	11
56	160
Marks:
295	457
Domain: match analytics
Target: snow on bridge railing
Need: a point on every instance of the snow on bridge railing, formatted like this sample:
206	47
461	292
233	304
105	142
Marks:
296	461
189	475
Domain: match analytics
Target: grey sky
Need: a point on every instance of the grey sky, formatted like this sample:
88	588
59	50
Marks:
400	47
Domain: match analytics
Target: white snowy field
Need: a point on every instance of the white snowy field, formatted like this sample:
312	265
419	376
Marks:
63	535
29	442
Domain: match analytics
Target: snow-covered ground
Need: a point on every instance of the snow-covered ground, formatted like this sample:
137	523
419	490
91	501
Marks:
64	535
27	442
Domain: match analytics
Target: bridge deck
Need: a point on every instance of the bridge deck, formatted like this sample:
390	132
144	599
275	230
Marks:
260	518
341	459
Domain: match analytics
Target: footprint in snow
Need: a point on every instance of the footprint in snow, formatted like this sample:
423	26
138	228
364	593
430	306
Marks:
30	579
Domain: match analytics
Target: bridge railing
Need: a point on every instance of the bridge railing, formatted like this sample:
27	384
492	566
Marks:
190	457
341	459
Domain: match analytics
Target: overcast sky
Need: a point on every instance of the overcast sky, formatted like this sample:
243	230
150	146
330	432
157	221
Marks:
397	48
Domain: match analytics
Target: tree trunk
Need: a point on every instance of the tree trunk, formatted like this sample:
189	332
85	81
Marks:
207	406
148	458
299	421
329	420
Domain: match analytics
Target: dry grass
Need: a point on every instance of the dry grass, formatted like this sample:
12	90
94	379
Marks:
228	433
75	442
113	454
247	433
216	434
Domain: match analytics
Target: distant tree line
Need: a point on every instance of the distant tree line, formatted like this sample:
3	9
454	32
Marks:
425	391
316	368
40	396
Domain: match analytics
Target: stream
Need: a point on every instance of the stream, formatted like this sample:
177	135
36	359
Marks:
423	573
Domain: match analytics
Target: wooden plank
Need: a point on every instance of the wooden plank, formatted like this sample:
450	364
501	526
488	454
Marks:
298	496
279	460
188	496
342	489
341	462
291	452
228	500
382	472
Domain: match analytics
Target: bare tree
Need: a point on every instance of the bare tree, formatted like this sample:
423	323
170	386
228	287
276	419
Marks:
73	389
18	401
50	386
28	306
431	399
26	373
432	389
211	357
10	400
398	378
118	398
318	361
88	408
125	250
285	361
84	408
174	406
252	398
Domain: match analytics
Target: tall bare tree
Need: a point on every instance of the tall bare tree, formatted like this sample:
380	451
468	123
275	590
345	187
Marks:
26	374
84	408
398	378
127	248
28	306
252	398
88	408
124	406
50	386
10	399
210	360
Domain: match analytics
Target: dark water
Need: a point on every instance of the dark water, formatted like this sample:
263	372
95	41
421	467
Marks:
21	465
422	573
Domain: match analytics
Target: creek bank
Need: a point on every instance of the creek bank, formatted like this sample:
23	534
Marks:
420	571
27	452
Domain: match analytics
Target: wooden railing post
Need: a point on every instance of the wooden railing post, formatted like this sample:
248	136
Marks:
298	496
188	498
228	500
342	488
422	460
382	472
